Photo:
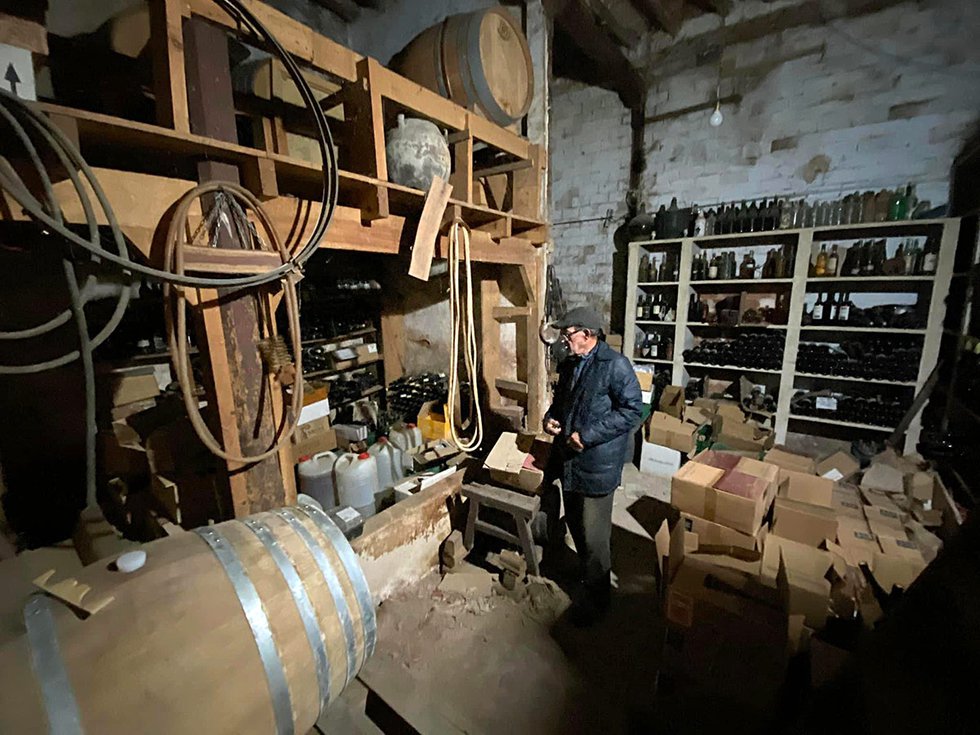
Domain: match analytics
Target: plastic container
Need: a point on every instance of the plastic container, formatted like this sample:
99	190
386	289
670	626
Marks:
406	438
316	478
389	460
357	482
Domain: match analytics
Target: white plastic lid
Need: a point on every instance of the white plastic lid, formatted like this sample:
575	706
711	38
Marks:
131	561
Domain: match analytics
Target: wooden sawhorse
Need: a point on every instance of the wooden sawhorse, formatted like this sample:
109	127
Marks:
522	508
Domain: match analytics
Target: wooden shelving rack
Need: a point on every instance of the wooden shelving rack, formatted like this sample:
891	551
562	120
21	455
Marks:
931	288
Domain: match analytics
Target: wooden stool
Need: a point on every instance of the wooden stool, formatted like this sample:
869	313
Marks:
522	508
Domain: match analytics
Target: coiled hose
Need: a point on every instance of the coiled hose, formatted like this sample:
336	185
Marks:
26	121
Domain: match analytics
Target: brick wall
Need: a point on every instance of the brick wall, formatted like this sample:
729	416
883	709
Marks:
821	114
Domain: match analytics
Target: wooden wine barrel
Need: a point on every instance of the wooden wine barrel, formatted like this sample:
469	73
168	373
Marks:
479	60
249	626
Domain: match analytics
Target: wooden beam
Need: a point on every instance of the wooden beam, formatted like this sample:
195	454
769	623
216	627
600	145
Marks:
169	80
515	387
666	14
23	33
511	313
245	403
603	60
624	34
490	341
502	168
462	175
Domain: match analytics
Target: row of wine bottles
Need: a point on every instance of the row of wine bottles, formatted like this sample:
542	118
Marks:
875	411
653	270
869	258
653	345
779	214
655	307
871	358
724	266
758	351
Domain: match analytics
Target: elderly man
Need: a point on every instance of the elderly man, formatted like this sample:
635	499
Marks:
596	409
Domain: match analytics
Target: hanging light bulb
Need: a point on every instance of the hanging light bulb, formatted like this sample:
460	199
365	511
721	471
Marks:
717	118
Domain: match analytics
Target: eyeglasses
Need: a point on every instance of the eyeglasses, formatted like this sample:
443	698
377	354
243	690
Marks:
567	336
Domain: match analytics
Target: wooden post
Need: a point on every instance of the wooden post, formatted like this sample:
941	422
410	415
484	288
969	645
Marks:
363	108
169	80
243	401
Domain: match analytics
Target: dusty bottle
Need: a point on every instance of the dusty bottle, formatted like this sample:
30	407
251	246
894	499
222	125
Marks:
820	266
747	268
897	206
832	261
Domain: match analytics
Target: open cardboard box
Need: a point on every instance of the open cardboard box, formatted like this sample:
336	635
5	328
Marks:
672	401
803	522
802	573
709	533
668	431
838	466
807	488
519	461
313	437
659	461
854	536
736	497
747	436
846	501
787	460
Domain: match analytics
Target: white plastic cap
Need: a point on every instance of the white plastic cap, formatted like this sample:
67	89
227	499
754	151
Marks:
131	561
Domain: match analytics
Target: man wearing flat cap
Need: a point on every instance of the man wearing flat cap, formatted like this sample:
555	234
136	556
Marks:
597	407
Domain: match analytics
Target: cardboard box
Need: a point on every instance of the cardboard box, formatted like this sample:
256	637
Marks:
895	571
790	461
519	461
659	461
846	502
856	539
366	352
883	477
838	466
131	385
697	415
671	432
709	533
919	486
808	524
692	490
762	470
807	488
722	460
711	607
802	578
741	435
645	379
313	437
709	405
121	458
729	410
885	517
672	401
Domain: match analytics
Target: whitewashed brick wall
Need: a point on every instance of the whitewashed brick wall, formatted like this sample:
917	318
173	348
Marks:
807	92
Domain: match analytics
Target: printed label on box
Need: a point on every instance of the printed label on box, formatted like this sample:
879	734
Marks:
835	475
826	403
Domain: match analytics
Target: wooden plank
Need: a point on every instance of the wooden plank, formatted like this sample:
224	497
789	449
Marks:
500	227
502	168
241	394
523	506
500	138
428	229
511	313
492	530
259	176
298	39
490	340
527	199
537	378
462	175
23	33
417	98
199	259
169	79
516	387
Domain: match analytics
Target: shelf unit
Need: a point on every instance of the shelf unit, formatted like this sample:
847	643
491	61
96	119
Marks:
931	288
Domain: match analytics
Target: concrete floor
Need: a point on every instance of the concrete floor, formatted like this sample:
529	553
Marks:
506	665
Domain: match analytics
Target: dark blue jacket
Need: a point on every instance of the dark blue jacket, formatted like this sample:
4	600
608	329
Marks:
604	407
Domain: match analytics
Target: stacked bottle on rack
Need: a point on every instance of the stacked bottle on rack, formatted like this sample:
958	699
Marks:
870	258
654	308
759	351
884	358
654	270
724	265
836	406
652	345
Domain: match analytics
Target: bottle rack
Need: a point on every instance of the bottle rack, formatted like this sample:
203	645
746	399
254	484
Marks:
929	290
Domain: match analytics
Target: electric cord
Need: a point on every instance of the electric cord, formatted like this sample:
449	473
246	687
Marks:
462	338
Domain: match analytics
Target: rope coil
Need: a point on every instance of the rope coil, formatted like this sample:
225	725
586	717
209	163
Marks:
462	339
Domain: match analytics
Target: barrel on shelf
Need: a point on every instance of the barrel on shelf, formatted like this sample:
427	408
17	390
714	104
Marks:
248	626
479	60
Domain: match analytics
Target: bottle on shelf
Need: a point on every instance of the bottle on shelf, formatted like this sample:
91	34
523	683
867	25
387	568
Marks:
752	220
867	264
663	275
639	305
817	314
694	308
711	222
844	309
836	210
809	215
832	261
747	269
769	267
823	214
644	268
713	267
743	222
784	213
832	310
879	256
820	266
897	205
930	257
648	308
700	222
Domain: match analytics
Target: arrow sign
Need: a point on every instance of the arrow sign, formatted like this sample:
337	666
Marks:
11	77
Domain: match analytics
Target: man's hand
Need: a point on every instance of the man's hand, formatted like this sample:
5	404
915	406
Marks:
552	427
575	442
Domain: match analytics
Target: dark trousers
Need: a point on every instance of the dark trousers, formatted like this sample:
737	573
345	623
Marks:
589	521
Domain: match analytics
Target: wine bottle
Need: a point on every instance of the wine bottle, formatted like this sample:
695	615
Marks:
700	222
844	311
831	312
711	223
785	213
648	308
867	265
747	268
644	268
769	267
752	218
897	206
713	268
832	261
820	267
856	251
818	310
639	306
930	257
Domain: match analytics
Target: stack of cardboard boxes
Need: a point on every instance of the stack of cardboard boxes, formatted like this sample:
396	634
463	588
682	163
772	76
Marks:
726	573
